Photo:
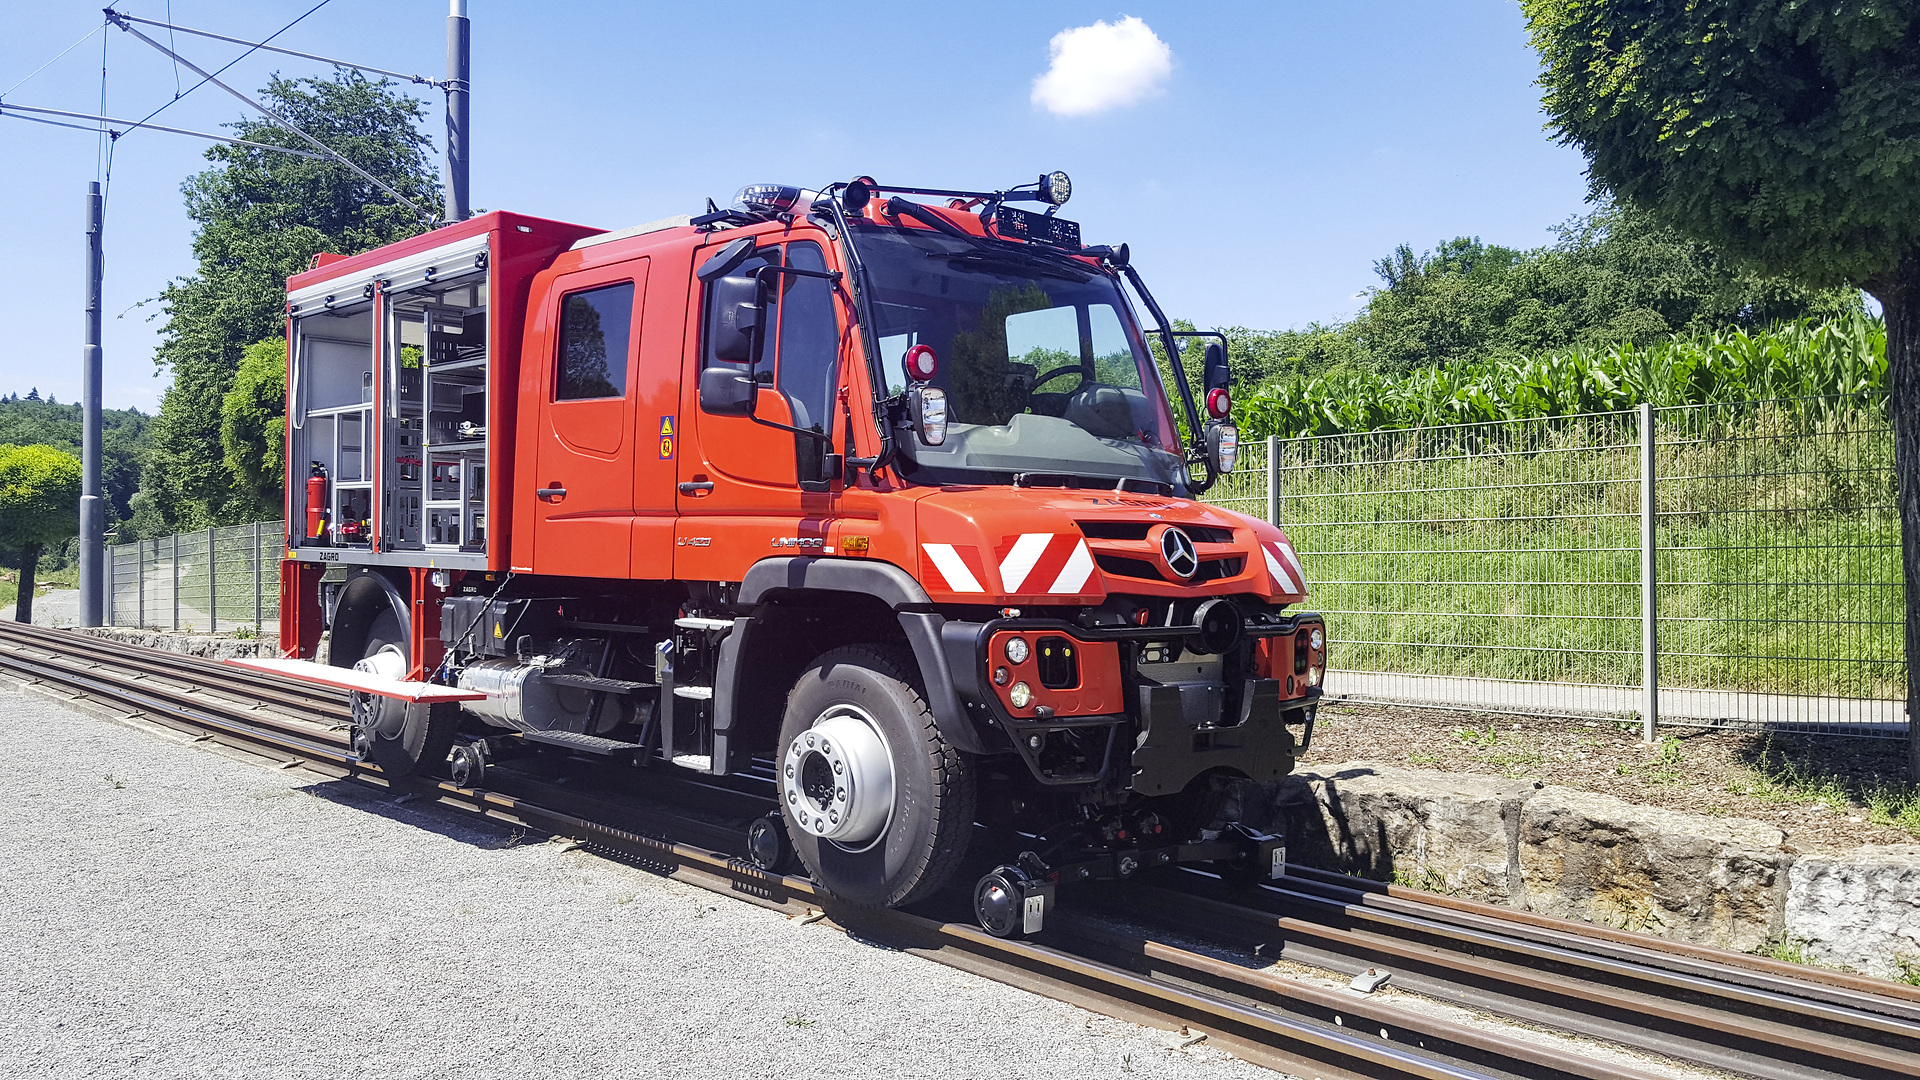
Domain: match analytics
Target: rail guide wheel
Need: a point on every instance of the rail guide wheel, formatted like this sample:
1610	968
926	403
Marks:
468	764
768	847
1010	902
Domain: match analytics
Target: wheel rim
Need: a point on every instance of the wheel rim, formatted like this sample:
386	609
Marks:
836	780
383	716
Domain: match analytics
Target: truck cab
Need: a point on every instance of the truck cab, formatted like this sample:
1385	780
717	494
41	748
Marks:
868	500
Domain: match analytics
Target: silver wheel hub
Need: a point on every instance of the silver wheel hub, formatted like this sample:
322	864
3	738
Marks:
384	716
836	779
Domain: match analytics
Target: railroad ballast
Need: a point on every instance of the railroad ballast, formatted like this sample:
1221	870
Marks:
870	499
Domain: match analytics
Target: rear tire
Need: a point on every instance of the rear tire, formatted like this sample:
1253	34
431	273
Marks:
906	845
405	739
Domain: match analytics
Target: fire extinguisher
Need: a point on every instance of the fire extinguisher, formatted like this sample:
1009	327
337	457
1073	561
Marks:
317	503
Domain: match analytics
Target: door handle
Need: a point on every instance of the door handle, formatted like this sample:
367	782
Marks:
695	487
551	492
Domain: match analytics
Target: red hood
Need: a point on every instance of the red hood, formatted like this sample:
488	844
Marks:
1057	546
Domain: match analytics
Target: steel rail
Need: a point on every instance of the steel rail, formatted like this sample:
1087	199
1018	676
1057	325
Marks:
1725	1023
1269	1032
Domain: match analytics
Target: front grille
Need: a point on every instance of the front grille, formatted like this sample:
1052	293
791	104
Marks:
1137	530
1210	569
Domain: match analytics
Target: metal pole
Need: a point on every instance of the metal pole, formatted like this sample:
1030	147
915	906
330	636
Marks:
213	578
459	55
92	511
1649	582
1273	480
257	560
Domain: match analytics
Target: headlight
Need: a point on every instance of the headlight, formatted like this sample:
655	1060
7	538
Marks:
1021	695
1017	651
1318	640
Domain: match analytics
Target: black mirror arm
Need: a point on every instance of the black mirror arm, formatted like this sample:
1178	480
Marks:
1170	340
760	337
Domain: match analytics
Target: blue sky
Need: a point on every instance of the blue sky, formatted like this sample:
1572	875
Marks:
1257	156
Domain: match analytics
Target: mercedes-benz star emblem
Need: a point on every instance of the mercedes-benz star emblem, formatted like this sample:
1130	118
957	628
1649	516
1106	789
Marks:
1176	547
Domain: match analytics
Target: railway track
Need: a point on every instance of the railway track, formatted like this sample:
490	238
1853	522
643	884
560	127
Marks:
1725	1011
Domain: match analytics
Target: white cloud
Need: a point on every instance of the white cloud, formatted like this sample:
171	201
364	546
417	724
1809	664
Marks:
1101	67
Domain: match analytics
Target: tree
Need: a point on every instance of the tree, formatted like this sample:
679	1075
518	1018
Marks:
125	439
261	217
1785	134
253	422
39	505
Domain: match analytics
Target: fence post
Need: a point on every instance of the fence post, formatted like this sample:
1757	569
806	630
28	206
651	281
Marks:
108	599
173	556
257	560
1649	584
213	578
1273	480
140	583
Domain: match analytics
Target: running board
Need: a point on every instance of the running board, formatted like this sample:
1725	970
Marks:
340	678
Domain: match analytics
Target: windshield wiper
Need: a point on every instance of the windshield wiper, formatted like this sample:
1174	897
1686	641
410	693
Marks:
995	260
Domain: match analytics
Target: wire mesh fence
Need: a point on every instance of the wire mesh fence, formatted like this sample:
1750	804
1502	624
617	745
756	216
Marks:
215	580
1723	565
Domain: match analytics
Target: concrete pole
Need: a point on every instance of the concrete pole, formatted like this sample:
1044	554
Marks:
92	511
459	55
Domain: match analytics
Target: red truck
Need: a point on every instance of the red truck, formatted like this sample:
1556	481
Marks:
867	501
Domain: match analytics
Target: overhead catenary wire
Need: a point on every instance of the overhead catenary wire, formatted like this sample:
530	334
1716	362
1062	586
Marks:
170	26
12	110
56	57
120	21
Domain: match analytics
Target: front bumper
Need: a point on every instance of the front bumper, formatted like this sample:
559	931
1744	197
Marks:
1162	736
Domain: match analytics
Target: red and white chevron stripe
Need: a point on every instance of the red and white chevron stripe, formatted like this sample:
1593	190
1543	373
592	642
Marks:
1052	563
956	568
1284	565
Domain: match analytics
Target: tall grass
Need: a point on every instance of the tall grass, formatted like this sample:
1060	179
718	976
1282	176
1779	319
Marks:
1841	356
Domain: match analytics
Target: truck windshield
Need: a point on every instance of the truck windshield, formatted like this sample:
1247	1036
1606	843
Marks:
1044	368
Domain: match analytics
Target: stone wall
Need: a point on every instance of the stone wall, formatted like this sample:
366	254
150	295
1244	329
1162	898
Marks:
209	646
1728	882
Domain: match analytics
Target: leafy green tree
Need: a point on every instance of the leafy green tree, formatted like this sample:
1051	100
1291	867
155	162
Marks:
261	218
253	423
125	437
39	506
1784	133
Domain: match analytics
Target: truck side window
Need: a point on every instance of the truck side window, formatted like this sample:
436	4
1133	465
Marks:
809	340
595	331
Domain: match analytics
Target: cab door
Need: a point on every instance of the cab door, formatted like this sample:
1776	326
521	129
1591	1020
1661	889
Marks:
749	490
583	476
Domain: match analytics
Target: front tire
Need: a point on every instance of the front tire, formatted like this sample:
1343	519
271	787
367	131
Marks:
877	804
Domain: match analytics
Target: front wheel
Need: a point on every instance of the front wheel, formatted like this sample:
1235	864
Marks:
878	805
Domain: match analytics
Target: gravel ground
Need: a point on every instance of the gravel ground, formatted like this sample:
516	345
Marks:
1707	772
170	910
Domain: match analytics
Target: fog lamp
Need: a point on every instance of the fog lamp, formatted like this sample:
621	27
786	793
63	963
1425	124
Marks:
1313	676
1020	695
1017	651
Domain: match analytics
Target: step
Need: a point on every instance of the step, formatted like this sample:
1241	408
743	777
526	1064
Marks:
693	623
573	740
592	682
697	693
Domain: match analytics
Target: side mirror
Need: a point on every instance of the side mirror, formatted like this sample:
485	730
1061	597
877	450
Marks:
726	390
928	406
736	303
726	260
1214	371
1223	447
